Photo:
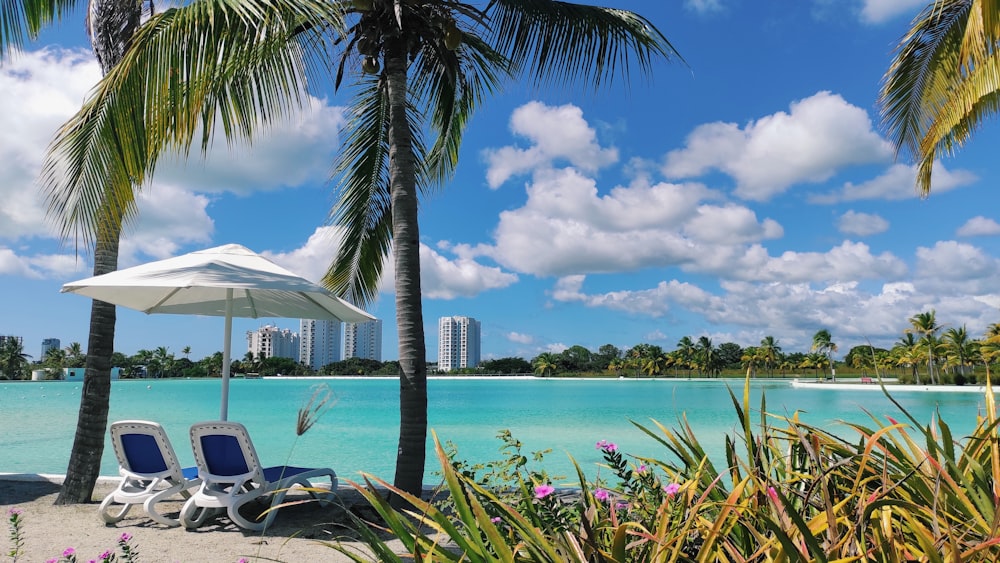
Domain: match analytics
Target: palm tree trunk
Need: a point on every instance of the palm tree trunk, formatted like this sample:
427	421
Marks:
411	454
88	444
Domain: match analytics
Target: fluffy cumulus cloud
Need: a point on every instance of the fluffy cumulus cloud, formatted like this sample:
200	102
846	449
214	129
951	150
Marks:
556	134
979	226
880	11
898	182
861	224
440	277
628	228
808	144
40	91
295	151
170	218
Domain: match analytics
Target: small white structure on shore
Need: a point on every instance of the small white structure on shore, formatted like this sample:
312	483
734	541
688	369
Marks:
76	374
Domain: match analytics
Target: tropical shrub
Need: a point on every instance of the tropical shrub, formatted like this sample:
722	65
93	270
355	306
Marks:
788	491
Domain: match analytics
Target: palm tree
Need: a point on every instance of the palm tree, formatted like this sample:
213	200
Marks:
823	344
545	364
771	352
926	326
750	359
941	84
427	66
705	356
907	352
958	348
685	352
13	360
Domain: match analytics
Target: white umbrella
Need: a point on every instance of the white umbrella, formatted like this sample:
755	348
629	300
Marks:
225	281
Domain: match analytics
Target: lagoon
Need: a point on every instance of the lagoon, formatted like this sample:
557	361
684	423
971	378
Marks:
359	433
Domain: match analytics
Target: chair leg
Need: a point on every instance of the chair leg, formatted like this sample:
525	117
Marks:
107	515
193	516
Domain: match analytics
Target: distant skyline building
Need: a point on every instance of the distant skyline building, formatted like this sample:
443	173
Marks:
270	341
458	343
319	342
49	344
363	340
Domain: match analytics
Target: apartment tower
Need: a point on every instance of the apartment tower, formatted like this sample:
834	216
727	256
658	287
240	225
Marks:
458	343
319	342
363	340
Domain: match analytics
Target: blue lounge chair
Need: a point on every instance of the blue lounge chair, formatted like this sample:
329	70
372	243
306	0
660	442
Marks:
232	476
150	472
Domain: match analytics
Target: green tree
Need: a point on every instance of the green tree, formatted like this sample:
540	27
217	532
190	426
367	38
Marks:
730	354
770	353
685	352
705	356
907	353
958	347
13	360
545	363
823	344
506	365
941	84
54	362
925	324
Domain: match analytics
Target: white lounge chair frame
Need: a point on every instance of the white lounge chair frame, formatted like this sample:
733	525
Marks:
145	481
229	489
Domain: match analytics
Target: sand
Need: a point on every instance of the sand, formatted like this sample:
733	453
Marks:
297	534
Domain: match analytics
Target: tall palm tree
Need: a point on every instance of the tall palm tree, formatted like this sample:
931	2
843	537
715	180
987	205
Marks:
771	352
907	352
427	66
925	324
545	364
958	348
943	81
706	356
685	352
823	344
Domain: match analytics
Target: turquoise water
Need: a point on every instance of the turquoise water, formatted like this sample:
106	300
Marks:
37	419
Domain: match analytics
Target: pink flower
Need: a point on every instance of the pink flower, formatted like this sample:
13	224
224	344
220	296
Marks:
15	511
641	468
671	489
106	556
69	552
601	495
125	537
495	519
773	494
542	491
606	446
601	444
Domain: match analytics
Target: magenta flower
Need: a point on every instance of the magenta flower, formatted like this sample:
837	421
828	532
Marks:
52	561
601	495
641	468
495	519
15	511
671	489
106	556
542	491
606	446
69	552
125	537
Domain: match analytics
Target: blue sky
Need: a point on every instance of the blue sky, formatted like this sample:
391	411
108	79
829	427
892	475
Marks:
750	193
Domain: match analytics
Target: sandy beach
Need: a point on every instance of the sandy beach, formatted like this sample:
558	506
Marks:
297	534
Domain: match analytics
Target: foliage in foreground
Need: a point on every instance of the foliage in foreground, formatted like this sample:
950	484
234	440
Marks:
789	492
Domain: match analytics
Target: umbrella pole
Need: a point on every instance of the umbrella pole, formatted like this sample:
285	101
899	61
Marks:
224	411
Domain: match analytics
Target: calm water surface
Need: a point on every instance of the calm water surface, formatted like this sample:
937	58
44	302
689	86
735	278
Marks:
38	419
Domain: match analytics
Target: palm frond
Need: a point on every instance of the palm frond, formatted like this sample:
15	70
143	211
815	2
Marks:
246	64
569	43
24	19
363	207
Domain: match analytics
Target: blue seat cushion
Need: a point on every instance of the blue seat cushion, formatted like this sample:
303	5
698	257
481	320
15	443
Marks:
143	453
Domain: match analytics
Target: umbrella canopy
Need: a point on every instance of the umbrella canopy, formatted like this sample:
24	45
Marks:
226	281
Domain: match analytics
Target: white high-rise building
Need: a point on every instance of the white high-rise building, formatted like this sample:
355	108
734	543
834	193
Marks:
319	342
270	341
363	340
458	343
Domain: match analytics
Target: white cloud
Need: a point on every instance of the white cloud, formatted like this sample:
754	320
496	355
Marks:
703	6
556	133
41	90
629	228
880	11
293	152
169	217
898	182
861	224
979	226
520	338
819	135
440	277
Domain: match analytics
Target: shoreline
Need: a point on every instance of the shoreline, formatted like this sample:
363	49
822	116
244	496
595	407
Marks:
890	385
300	532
